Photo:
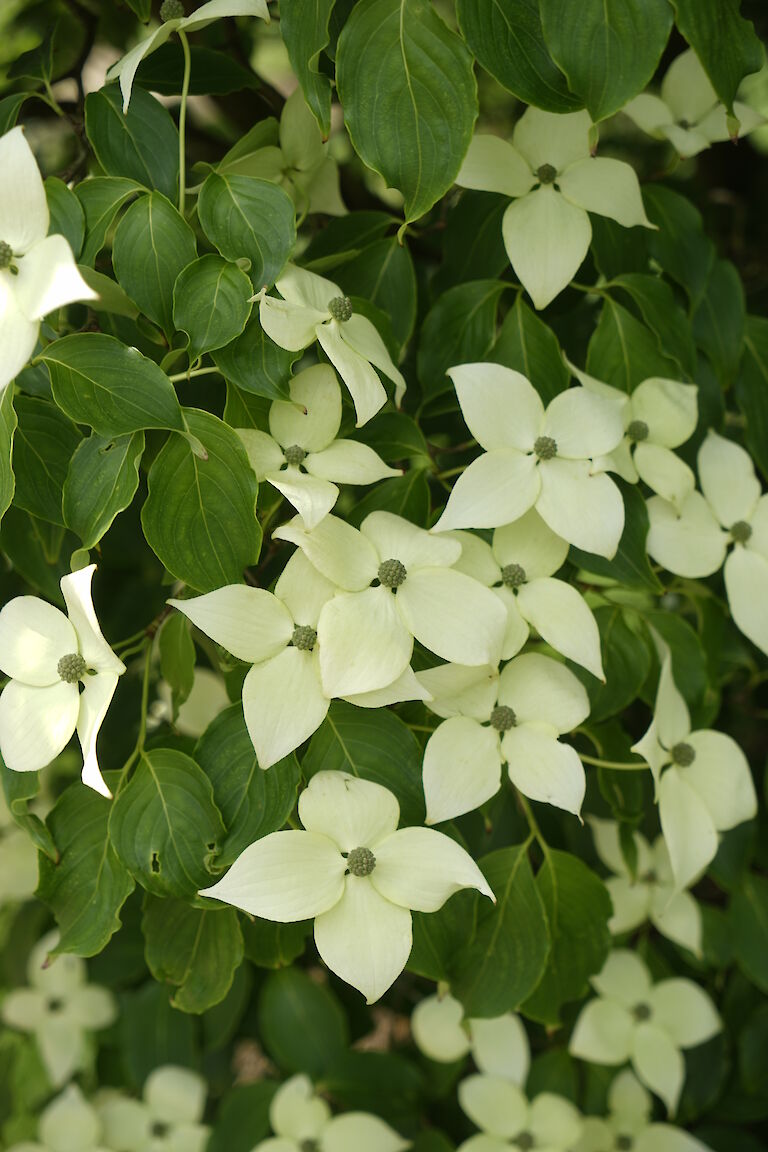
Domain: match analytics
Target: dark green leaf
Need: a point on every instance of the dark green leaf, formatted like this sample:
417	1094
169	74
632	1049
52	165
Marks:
142	145
383	274
406	496
679	245
616	249
213	73
272	945
101	199
45	441
211	303
102	480
249	218
439	936
301	1023
8	424
630	565
626	663
473	245
20	788
10	106
242	1120
153	1033
689	661
460	327
111	297
256	364
177	659
724	41
752	391
194	950
718	321
395	437
749	925
304	29
142	8
67	217
526	344
624	352
663	315
383	1083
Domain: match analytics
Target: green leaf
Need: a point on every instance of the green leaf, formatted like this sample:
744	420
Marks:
34	550
304	30
212	73
751	391
97	380
624	352
45	441
19	788
242	1120
10	106
165	825
153	1033
473	244
659	309
88	885
608	49
101	481
101	199
626	663
409	97
8	423
460	327
689	660
507	39
375	745
679	245
526	344
248	218
152	244
630	565
439	936
37	64
301	1023
395	437
406	496
256	364
749	927
199	517
195	950
142	145
112	299
252	802
578	910
177	658
66	212
142	8
272	945
383	274
211	303
617	250
723	40
719	319
384	1083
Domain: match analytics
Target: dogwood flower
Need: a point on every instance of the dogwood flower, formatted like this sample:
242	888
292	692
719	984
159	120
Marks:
633	1019
355	874
167	1119
50	657
302	456
313	308
628	1124
703	782
206	700
556	181
68	1123
515	717
694	540
650	895
366	633
499	1044
59	1008
299	1119
508	1120
519	565
688	113
37	272
174	20
18	860
536	457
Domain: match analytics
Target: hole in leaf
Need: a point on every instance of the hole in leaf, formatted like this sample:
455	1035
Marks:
155	864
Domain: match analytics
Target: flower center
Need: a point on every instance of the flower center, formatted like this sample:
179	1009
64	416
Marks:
503	718
513	575
392	573
546	174
361	861
545	447
171	10
308	1145
340	308
683	755
637	431
294	455
649	877
71	668
159	1128
304	637
6	255
641	1012
741	531
623	1143
525	1140
55	1005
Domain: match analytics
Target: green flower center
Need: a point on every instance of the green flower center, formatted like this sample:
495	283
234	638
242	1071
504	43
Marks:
637	431
171	10
308	1146
545	447
55	1005
503	718
340	308
304	637
392	573
525	1140
546	174
623	1143
6	255
361	861
159	1128
641	1012
683	755
294	455
741	531
72	668
649	877
513	575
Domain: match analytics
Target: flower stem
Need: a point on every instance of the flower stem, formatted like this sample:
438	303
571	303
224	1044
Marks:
195	372
183	121
618	765
533	824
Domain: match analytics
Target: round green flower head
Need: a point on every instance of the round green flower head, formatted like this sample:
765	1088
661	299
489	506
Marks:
741	531
392	573
340	308
637	431
71	668
304	637
513	575
6	254
171	10
545	447
294	455
503	718
361	861
683	755
546	174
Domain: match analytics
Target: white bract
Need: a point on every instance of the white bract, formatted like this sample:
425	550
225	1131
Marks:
732	511
509	1121
18	859
689	113
365	634
37	272
652	894
68	1124
515	717
355	874
648	1024
59	1008
537	457
300	1120
556	181
499	1044
703	782
303	457
174	20
167	1119
63	675
628	1125
313	308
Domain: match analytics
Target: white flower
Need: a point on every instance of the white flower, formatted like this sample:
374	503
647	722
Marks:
633	1019
694	542
67	1123
18	859
49	658
302	456
515	717
688	113
206	700
313	308
704	785
519	566
509	1121
536	457
652	894
301	1119
37	272
355	874
628	1125
499	1044
166	1120
550	169
174	20
59	1008
366	633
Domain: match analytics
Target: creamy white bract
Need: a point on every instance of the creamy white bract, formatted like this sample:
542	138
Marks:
629	1124
499	1044
168	1118
508	1120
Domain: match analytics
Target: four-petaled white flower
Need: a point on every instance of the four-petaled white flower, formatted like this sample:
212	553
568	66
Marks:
37	272
168	1119
633	1019
651	894
313	308
537	457
694	541
628	1127
355	873
512	1123
60	1008
689	113
499	1044
67	1123
63	677
174	20
18	859
301	1121
515	717
556	181
703	782
302	457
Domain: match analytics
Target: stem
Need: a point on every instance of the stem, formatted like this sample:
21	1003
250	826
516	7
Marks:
618	765
196	372
451	472
533	824
52	102
183	121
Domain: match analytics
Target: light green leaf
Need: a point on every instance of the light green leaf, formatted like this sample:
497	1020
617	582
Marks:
196	951
211	303
101	481
8	422
45	441
251	219
724	41
304	29
142	145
